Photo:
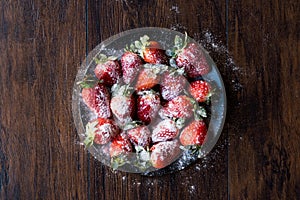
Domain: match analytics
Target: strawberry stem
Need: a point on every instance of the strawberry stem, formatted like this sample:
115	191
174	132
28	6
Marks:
102	58
131	125
88	82
90	133
142	161
118	161
139	46
124	90
180	122
179	45
200	111
157	68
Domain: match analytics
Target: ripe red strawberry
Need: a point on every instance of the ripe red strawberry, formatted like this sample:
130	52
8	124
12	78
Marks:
154	54
140	136
200	90
97	98
147	79
194	133
122	104
164	153
120	145
131	64
179	107
193	60
148	104
165	130
150	51
100	131
108	70
172	85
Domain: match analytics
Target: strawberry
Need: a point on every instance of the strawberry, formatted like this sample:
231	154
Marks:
172	85
148	104
200	90
150	51
194	133
100	131
96	97
108	70
140	136
120	145
193	60
179	107
122	104
147	79
165	130
154	54
164	153
131	64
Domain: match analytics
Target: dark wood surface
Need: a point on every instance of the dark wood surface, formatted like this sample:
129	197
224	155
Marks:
256	46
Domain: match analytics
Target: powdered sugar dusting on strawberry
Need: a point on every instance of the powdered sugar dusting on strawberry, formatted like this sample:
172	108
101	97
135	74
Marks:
97	99
161	150
193	60
106	129
144	136
102	138
122	108
148	104
172	85
131	64
109	72
179	107
164	153
126	144
102	98
88	97
152	101
164	131
140	135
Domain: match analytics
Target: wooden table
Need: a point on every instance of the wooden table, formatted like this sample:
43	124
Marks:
256	45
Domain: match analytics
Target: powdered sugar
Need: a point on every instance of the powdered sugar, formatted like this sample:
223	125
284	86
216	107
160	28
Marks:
131	65
148	106
140	135
179	107
109	72
175	9
165	130
105	130
214	45
172	85
121	107
102	100
165	152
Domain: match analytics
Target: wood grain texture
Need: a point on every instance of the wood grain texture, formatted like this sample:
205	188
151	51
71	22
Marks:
42	44
264	147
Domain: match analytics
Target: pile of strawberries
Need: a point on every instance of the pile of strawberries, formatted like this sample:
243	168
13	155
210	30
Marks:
150	103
